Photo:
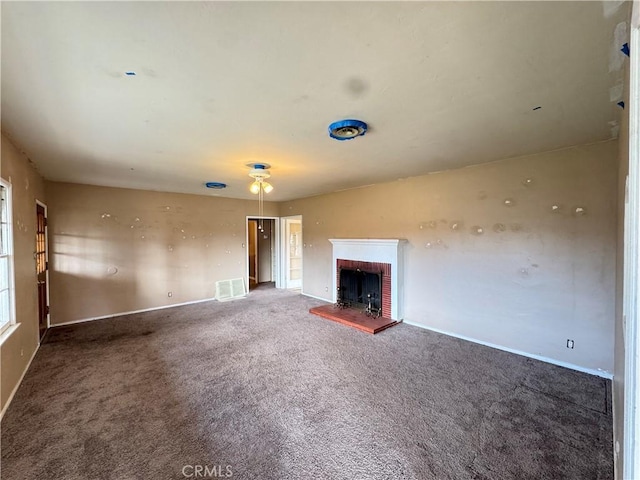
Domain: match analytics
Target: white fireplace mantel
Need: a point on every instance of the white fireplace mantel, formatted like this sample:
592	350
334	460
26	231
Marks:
374	250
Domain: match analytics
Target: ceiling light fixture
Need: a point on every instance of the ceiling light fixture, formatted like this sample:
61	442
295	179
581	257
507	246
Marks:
347	129
259	172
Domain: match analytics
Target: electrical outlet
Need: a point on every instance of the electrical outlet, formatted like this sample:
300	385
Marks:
170	294
22	352
326	289
569	343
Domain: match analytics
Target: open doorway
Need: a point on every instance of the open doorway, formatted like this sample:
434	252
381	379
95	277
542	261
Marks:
292	252
261	249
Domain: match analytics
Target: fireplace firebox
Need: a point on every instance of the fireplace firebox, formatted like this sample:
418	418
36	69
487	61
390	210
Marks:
360	289
364	282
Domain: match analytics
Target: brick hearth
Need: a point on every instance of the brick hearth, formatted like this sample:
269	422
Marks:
354	318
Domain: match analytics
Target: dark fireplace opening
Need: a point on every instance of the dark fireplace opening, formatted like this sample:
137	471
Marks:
360	289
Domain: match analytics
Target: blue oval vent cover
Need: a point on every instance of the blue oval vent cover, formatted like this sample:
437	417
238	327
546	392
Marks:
347	129
216	185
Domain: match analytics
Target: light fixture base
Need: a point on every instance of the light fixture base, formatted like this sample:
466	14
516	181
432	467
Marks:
259	171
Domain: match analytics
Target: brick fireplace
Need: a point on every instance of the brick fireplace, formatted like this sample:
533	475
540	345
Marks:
377	256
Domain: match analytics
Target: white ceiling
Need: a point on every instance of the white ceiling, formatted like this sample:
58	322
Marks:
218	85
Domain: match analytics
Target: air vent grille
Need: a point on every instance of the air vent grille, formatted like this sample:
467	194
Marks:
230	289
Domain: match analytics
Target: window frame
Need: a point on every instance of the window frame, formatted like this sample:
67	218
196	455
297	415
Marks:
9	255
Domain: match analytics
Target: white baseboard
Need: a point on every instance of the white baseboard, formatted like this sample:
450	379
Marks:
120	314
15	389
316	297
591	371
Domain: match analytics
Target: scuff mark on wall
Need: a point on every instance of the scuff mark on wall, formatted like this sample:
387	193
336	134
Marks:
616	57
527	182
579	211
610	7
615	92
614	128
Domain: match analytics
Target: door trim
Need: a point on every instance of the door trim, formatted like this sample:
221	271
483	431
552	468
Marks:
46	259
283	252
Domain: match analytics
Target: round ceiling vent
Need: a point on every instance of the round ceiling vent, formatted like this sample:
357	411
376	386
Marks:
215	185
347	129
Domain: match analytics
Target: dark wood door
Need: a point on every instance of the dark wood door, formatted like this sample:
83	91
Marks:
41	268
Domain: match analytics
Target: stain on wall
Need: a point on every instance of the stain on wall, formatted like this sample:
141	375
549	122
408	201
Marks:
519	253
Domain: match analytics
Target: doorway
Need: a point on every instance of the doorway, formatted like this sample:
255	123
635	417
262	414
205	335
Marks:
261	251
42	268
292	252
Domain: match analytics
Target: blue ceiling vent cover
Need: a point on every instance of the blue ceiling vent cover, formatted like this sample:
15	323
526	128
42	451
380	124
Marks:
216	185
347	129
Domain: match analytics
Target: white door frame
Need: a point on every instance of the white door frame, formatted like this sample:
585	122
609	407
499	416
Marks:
631	291
276	234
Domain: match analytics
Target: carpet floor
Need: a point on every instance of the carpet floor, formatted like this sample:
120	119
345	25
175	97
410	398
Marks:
260	389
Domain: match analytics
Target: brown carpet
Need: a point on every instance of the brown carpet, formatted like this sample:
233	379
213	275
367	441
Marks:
272	392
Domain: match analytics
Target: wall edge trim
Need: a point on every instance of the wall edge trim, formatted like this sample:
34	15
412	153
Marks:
572	366
316	297
132	312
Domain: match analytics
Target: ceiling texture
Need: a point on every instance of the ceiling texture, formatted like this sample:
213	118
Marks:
218	85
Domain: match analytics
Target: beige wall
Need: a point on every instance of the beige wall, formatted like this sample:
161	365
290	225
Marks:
27	187
533	279
118	250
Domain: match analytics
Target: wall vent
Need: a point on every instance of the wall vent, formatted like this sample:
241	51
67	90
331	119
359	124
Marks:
230	289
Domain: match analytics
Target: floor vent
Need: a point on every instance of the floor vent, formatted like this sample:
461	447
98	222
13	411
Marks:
230	289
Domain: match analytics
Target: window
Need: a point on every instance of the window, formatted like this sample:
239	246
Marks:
7	316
